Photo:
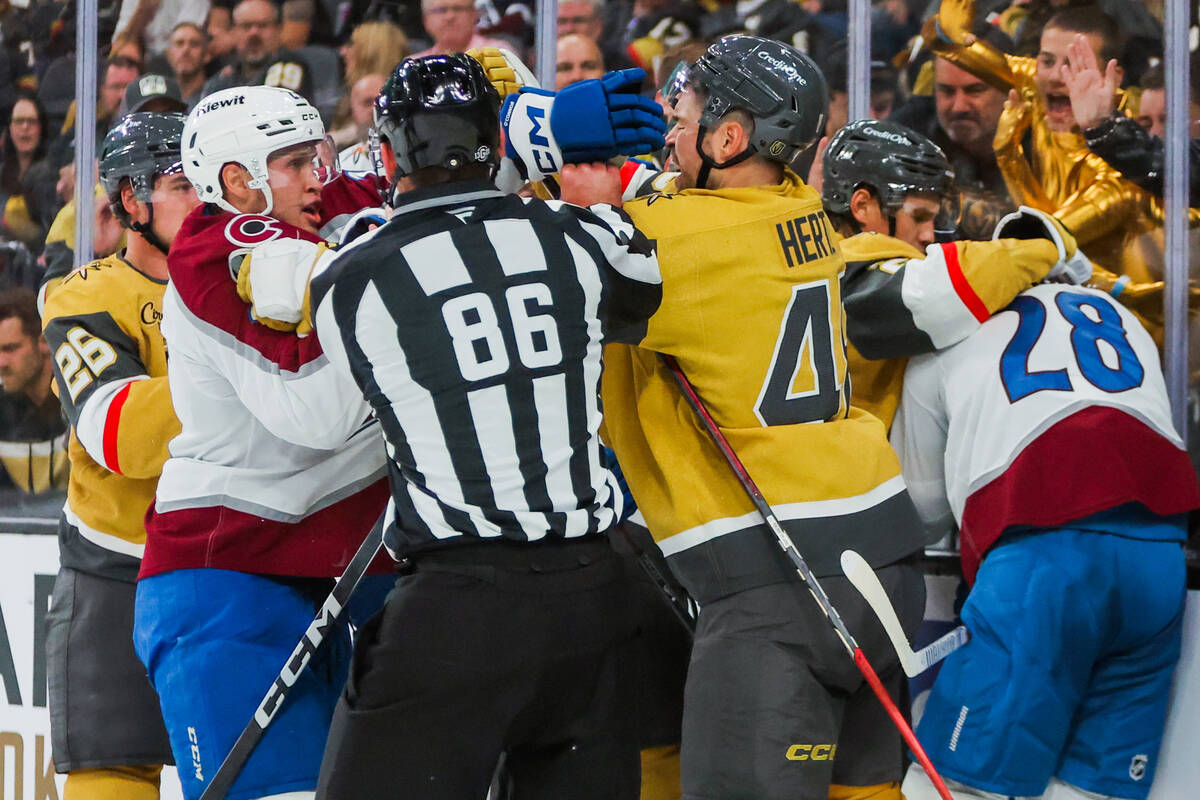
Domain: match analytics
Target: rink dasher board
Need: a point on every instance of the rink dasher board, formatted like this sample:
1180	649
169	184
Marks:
29	562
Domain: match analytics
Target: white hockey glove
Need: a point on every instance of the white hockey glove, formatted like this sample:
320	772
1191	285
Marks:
273	278
1029	223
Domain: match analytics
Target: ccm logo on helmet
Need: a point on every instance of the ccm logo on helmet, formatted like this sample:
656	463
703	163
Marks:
811	752
240	100
783	65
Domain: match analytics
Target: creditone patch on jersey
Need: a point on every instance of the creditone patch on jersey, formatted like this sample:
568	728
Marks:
248	230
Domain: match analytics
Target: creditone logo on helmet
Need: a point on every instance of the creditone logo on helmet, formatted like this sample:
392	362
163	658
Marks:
240	100
895	138
780	64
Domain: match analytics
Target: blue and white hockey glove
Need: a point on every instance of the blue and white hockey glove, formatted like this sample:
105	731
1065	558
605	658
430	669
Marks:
592	120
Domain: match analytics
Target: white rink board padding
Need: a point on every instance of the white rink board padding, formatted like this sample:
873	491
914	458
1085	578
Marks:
1179	768
28	564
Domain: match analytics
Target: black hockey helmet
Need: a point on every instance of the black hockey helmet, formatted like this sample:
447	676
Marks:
893	161
439	111
139	148
782	89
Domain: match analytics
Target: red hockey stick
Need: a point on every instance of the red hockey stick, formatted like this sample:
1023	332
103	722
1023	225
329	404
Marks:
810	580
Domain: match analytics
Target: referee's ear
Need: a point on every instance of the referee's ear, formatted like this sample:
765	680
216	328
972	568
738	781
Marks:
389	160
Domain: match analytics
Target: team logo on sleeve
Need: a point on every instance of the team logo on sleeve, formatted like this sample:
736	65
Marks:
248	230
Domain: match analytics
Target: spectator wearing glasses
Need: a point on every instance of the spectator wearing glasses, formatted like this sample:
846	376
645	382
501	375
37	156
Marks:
22	147
451	25
258	57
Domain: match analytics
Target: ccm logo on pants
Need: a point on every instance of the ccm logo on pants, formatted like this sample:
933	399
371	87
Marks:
811	752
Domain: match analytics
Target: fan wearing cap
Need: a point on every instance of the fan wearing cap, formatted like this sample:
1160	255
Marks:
276	475
153	93
110	369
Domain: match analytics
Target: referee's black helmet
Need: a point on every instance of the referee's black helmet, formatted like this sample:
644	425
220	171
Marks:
439	111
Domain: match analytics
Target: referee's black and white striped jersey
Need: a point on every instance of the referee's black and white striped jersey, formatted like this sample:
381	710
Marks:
473	322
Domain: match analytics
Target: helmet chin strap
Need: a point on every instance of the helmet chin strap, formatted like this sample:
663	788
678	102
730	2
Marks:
707	164
146	230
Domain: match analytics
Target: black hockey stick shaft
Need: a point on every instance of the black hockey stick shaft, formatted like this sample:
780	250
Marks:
318	630
806	574
679	603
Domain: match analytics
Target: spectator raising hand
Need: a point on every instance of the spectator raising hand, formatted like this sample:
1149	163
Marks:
1093	95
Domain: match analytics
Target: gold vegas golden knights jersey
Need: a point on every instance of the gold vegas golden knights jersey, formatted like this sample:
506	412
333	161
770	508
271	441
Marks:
752	310
110	369
901	302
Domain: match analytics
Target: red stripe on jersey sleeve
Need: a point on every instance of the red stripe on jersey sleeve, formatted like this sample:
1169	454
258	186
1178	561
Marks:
628	170
961	286
112	426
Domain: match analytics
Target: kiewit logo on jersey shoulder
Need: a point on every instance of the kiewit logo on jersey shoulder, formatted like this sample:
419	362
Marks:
248	230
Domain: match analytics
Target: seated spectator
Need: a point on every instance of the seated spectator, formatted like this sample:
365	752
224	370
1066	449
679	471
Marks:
23	143
153	21
33	434
187	54
153	93
579	58
451	25
118	74
219	27
965	113
884	90
259	58
644	30
356	159
297	23
586	18
373	47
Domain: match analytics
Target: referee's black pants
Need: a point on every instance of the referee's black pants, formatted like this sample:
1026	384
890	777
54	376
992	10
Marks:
486	649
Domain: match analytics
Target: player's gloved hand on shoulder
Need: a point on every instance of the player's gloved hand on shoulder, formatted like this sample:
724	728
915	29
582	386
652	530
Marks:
1030	223
504	70
589	121
273	279
364	221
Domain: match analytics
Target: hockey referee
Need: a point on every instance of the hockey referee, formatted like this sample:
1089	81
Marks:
473	323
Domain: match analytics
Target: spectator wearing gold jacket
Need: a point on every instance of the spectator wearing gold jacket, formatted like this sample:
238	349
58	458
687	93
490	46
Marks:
1059	174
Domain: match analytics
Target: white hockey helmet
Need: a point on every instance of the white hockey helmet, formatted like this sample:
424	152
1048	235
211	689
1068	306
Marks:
245	125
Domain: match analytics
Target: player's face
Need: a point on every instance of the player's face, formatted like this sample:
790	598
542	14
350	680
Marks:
682	138
22	360
174	198
295	187
1052	55
914	220
968	109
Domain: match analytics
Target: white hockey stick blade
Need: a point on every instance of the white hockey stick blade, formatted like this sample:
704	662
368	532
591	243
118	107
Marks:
859	573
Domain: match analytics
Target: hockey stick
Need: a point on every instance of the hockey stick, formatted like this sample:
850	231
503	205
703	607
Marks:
859	573
327	617
675	597
806	574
